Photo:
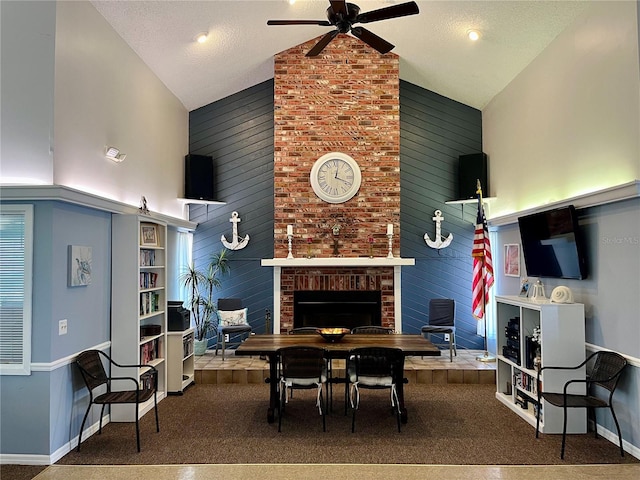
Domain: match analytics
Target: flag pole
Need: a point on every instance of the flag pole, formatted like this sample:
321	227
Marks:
486	357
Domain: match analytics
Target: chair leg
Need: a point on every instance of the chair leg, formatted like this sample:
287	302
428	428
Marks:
564	431
224	344
615	420
451	347
82	426
137	427
155	401
538	417
101	417
324	411
280	407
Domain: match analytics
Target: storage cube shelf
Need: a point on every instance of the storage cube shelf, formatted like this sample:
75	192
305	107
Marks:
139	305
562	343
180	360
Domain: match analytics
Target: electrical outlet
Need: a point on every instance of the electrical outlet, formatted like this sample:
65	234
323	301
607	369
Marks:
446	337
226	337
62	327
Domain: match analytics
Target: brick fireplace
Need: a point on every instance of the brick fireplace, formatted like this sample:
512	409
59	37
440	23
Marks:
344	100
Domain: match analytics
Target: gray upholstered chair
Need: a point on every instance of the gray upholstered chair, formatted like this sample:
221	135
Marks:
442	313
232	323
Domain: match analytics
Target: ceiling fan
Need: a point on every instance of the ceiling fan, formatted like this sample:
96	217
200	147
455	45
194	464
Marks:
343	16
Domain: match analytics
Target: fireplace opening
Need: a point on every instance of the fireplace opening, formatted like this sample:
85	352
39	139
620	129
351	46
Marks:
326	308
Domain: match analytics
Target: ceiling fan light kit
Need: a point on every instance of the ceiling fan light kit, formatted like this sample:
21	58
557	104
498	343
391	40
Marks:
343	16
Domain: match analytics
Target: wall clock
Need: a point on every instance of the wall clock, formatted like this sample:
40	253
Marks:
335	177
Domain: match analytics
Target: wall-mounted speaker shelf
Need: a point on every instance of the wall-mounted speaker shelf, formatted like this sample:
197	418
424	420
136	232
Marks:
195	201
470	200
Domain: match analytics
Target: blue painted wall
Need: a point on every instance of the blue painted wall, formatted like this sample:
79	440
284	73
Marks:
55	397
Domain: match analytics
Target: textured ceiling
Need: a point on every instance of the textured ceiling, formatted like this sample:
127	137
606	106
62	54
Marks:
433	48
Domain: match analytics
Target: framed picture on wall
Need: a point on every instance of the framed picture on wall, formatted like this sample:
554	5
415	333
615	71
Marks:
148	235
512	260
80	263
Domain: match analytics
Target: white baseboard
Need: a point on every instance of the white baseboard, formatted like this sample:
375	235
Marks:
32	459
613	438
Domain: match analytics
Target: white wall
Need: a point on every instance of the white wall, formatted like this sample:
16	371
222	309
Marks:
27	91
103	94
570	122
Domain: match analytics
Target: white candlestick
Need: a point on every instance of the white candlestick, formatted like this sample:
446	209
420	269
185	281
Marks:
289	229
390	229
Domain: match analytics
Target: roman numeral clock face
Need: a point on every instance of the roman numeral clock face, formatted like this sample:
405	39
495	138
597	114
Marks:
335	177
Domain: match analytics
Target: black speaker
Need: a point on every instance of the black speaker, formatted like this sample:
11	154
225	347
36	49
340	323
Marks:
471	168
198	177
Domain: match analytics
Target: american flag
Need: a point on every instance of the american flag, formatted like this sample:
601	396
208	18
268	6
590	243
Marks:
482	263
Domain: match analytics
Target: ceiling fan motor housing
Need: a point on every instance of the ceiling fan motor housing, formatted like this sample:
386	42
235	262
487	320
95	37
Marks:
343	22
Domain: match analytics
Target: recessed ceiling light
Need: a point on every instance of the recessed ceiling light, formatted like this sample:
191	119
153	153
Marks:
473	35
201	37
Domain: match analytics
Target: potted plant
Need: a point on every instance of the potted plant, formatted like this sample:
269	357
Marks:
201	285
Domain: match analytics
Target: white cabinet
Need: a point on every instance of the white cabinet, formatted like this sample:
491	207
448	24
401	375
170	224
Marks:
562	343
138	304
180	360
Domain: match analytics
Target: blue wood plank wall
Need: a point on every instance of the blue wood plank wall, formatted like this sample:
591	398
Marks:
238	132
434	131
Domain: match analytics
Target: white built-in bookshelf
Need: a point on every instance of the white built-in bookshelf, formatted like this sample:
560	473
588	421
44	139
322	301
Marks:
138	304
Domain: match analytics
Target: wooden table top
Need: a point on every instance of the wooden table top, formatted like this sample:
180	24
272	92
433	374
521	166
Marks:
268	344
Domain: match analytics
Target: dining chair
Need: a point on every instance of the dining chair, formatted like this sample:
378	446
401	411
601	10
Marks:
603	376
302	368
374	368
442	314
94	375
371	329
303	331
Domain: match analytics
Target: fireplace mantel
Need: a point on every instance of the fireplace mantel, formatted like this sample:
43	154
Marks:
395	262
338	262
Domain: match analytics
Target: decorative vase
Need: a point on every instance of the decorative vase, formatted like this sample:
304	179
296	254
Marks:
199	347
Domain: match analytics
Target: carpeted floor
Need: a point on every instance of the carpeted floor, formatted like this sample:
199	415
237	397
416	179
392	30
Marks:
448	424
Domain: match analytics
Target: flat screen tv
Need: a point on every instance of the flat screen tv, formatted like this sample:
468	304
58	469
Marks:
552	245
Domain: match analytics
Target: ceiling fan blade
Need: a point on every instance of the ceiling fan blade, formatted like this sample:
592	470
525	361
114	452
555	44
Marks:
394	11
371	39
324	41
339	6
323	23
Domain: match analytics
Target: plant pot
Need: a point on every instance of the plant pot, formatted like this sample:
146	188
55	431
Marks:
199	347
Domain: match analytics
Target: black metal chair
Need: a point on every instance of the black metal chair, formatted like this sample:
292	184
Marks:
238	327
94	376
303	331
442	314
374	368
302	368
607	367
372	330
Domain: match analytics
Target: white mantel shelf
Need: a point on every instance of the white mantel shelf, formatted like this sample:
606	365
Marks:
396	262
338	262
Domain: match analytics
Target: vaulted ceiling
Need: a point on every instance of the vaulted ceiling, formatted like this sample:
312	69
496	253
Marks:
433	47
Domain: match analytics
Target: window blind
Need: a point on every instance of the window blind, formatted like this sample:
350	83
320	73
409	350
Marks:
16	237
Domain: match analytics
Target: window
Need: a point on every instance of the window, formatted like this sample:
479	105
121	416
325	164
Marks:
16	256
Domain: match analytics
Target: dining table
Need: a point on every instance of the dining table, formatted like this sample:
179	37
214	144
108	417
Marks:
267	345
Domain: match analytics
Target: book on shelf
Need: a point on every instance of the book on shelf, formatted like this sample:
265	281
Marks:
147	258
148	280
149	302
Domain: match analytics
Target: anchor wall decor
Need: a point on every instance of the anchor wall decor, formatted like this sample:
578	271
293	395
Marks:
236	244
440	241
